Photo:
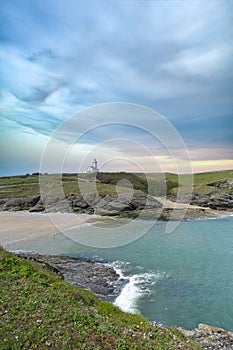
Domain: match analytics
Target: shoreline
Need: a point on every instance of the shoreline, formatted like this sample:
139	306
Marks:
208	337
100	278
107	281
19	226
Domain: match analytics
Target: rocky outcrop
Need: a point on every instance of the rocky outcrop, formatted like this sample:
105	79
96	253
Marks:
89	203
226	184
126	203
210	338
221	197
214	201
101	279
222	203
19	203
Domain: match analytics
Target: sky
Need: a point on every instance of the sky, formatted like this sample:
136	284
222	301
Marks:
62	58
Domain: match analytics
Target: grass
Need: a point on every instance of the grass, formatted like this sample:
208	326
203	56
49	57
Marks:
108	183
41	311
19	186
202	180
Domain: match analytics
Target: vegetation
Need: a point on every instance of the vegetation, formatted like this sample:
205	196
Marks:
137	182
155	184
40	311
202	181
19	186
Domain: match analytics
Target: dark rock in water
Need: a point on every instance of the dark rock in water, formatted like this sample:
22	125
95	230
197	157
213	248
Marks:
97	277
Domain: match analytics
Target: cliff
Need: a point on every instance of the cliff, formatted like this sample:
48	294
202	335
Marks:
39	310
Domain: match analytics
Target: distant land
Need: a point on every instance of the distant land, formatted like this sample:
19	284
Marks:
111	194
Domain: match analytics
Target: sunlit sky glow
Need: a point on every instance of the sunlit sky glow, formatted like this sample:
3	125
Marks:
59	57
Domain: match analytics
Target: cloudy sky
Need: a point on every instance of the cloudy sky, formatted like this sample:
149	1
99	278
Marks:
60	57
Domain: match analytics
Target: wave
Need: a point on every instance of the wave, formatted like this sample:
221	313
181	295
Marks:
136	286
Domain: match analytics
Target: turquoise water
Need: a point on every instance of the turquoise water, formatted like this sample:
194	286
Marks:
181	279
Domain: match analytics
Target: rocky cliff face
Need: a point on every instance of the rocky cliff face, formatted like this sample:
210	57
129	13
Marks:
19	203
127	205
90	203
214	201
220	198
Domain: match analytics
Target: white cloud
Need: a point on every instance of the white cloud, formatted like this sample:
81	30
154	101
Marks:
172	56
196	63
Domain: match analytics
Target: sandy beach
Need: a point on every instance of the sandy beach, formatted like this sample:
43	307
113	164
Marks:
21	225
16	226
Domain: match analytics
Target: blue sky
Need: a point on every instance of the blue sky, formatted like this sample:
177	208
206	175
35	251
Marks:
59	57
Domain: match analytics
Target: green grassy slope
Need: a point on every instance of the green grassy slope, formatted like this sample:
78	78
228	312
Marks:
19	186
201	180
40	311
26	186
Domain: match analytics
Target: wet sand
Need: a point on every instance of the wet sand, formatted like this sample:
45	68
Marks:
22	225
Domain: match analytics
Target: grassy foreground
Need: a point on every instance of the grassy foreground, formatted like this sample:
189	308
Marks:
38	310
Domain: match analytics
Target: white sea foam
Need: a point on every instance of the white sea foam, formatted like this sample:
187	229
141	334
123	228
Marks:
136	287
127	300
119	266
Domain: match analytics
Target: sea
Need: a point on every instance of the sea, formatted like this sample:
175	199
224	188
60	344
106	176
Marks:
181	278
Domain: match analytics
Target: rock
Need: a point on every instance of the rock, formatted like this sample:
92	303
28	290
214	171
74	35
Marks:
78	202
37	208
120	203
97	277
91	199
222	184
2	203
143	201
201	200
57	204
127	202
214	201
209	337
210	329
20	203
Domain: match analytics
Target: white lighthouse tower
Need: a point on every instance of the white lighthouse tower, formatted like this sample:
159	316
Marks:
93	169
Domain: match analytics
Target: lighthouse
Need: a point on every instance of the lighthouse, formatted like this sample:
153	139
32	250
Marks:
93	169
